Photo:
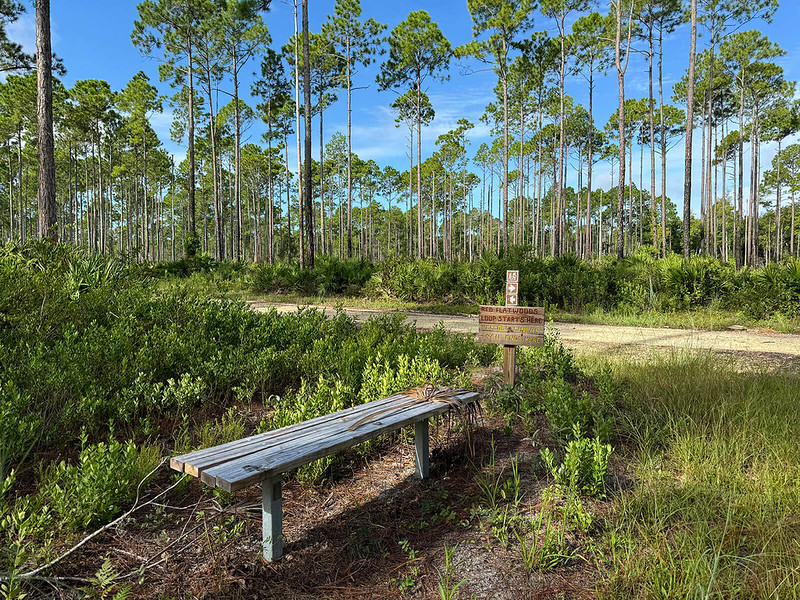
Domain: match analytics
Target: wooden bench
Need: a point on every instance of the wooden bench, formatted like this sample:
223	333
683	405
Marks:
263	458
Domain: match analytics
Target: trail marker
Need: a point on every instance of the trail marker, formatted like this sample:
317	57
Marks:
511	325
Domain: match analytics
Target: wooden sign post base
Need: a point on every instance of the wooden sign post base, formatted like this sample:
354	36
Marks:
509	364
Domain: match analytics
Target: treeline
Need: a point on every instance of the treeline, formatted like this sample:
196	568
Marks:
118	190
637	284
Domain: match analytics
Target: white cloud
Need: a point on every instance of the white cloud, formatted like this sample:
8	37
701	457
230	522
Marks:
376	135
23	31
161	122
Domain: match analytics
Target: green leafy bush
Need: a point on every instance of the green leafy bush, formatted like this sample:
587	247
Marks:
584	466
329	275
90	341
92	491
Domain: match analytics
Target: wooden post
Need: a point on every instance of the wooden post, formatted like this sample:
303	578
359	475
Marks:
509	364
510	352
421	456
272	518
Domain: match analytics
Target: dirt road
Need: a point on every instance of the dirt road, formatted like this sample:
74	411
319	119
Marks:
768	346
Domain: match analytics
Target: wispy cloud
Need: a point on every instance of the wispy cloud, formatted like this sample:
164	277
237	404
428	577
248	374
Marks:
377	136
161	123
23	32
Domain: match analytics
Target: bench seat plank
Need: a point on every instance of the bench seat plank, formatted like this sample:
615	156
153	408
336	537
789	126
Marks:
195	463
261	459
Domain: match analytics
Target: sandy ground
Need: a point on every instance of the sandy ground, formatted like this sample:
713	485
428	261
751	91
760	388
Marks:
763	346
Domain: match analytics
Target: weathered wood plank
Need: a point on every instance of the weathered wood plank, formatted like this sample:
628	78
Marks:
245	471
301	436
509	364
195	462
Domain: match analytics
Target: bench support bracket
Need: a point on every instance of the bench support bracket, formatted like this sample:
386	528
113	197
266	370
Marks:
272	518
421	456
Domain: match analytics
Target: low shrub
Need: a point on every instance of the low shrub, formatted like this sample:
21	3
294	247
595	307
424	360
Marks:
93	490
584	467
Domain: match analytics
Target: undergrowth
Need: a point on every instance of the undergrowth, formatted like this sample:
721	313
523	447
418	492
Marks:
105	369
713	511
640	289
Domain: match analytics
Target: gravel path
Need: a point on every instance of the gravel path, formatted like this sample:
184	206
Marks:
769	346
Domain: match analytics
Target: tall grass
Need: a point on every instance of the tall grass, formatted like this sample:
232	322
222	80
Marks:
714	511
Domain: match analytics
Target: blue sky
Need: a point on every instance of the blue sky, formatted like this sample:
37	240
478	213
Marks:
93	39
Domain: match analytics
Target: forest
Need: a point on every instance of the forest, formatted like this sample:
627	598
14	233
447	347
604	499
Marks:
119	190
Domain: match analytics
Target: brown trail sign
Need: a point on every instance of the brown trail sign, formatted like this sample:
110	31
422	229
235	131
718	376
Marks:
511	325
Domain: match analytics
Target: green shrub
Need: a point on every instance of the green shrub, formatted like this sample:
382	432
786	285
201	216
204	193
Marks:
229	428
565	408
92	491
584	466
19	427
640	283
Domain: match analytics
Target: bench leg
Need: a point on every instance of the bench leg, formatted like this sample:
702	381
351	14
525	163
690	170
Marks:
272	518
421	457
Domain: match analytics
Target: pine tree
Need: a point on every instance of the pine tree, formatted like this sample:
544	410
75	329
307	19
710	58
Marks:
355	42
417	51
505	22
44	111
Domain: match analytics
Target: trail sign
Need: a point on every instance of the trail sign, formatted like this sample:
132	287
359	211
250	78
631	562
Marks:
511	325
524	315
510	338
511	328
511	294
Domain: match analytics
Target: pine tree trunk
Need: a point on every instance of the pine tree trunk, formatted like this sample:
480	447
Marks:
651	113
219	242
505	157
190	135
323	247
740	192
410	243
687	181
308	200
270	191
349	156
300	194
663	141
588	243
420	225
621	125
559	219
778	236
237	192
44	115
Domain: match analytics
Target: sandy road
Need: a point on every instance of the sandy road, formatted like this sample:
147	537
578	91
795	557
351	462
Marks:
768	346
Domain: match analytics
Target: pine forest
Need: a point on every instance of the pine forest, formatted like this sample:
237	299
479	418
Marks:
117	189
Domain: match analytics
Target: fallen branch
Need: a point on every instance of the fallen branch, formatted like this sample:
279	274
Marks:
136	506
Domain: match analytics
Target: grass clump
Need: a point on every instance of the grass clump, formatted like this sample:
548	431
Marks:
714	508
